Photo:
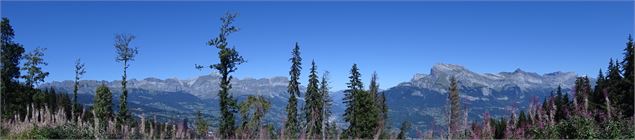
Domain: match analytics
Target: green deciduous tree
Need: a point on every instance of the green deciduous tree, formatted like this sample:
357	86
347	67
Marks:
34	61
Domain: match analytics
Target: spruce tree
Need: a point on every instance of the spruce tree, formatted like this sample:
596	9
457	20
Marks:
597	99
627	69
10	53
522	120
125	54
378	103
79	71
313	104
251	124
403	130
102	105
582	91
355	86
326	105
455	112
361	112
613	82
292	126
229	60
562	104
201	125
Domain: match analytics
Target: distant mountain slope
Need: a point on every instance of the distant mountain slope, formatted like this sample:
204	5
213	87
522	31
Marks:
423	99
420	100
176	99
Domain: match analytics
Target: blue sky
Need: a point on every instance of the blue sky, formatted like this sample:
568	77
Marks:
395	39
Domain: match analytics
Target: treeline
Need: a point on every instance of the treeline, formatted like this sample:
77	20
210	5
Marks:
366	110
604	111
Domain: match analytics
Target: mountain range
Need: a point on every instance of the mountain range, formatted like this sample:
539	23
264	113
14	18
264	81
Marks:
422	100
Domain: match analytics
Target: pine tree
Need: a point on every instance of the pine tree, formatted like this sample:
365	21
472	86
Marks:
229	60
361	112
613	82
384	116
562	104
125	54
582	91
251	125
201	125
597	99
292	126
102	105
455	111
33	67
11	53
378	104
627	85
326	106
355	86
313	104
522	120
79	71
403	130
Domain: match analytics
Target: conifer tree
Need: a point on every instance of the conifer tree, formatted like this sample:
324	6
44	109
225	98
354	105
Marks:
103	105
379	104
361	112
11	54
201	125
628	88
403	130
313	104
562	104
125	54
613	82
229	60
251	124
455	111
79	71
292	126
522	120
326	105
597	99
355	86
582	91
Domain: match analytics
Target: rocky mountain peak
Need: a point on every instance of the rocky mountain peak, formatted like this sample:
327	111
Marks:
446	68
